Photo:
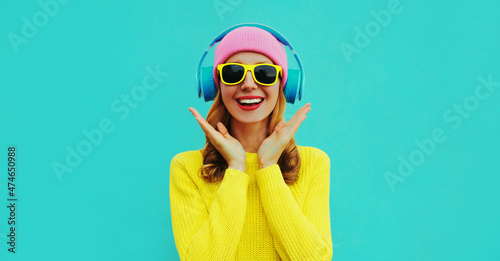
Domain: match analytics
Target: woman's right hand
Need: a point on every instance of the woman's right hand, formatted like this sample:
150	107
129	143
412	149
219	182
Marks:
229	147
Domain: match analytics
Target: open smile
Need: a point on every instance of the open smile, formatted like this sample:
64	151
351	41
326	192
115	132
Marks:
249	103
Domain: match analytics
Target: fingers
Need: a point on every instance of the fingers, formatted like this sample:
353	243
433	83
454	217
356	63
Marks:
207	128
302	111
279	126
195	113
223	130
289	127
298	118
284	131
301	114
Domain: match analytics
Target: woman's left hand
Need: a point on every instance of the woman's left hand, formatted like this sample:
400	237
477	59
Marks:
271	148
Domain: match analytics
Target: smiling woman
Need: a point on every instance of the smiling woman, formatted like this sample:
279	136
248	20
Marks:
40	19
251	193
244	100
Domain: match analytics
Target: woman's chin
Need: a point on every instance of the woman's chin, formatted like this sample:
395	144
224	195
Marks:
249	120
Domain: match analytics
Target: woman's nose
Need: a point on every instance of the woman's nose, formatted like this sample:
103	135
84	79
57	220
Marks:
248	82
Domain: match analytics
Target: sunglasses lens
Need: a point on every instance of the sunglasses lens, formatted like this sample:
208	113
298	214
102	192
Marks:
232	73
265	74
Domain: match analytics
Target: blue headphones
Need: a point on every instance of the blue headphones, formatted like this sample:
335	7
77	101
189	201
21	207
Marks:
205	79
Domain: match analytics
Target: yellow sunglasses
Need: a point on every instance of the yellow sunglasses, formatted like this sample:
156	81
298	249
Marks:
263	73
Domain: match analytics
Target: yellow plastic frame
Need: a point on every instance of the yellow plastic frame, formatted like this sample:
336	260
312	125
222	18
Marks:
250	67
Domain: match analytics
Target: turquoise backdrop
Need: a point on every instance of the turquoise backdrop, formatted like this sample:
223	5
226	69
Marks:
405	99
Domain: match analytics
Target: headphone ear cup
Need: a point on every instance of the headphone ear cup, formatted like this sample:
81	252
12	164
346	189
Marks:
292	83
208	87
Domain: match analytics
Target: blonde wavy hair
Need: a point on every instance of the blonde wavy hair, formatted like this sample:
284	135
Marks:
214	164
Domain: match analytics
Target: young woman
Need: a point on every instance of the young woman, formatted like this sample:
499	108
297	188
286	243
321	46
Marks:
251	193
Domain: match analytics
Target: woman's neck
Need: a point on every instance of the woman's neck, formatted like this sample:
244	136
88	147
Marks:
250	135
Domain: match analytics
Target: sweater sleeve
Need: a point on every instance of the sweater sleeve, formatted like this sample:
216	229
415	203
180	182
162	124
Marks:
203	233
298	234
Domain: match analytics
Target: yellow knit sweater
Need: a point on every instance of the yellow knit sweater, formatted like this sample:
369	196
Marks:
252	215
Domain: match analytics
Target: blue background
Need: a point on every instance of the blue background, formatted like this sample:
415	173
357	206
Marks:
370	109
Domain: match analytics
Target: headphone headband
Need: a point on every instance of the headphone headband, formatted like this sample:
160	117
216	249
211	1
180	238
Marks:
275	33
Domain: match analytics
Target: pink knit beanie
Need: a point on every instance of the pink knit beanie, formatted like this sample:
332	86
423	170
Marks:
253	39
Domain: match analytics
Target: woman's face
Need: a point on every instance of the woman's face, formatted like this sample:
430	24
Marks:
248	87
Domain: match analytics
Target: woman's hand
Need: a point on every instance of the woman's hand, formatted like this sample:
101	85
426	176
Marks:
229	147
271	148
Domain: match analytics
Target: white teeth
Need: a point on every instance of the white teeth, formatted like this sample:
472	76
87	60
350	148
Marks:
250	100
